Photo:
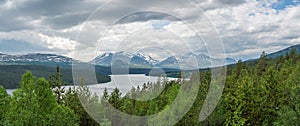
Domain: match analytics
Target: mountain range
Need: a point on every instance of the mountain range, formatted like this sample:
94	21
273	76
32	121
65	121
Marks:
43	65
192	60
284	51
140	60
35	57
122	59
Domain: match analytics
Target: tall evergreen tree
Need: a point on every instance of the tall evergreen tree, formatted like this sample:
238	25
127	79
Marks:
262	64
4	105
33	104
239	67
57	83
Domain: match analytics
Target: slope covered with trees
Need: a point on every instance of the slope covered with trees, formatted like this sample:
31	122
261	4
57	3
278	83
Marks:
10	75
265	92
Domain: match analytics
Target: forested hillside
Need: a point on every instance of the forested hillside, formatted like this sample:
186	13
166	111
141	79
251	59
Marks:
258	93
10	75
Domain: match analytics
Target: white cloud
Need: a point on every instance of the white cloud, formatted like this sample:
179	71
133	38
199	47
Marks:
36	38
60	43
246	27
250	28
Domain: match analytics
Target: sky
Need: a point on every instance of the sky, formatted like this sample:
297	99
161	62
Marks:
83	29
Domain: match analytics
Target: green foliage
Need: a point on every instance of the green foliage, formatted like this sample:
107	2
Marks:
256	93
33	103
63	116
4	104
10	75
289	114
262	64
239	67
57	83
79	100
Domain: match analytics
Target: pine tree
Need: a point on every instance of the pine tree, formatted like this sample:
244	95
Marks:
262	64
4	105
33	104
57	83
287	56
239	67
115	101
63	116
86	101
293	55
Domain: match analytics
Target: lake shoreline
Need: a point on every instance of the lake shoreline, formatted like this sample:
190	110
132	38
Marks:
123	82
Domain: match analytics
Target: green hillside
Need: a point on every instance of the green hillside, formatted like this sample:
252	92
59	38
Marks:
10	75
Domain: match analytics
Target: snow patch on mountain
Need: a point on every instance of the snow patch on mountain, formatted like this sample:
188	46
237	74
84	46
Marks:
124	58
185	61
35	57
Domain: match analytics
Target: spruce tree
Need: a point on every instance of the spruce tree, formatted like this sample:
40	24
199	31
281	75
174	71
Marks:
57	83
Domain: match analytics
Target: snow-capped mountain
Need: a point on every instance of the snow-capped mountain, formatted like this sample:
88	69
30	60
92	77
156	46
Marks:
193	61
186	61
35	57
148	58
124	59
103	60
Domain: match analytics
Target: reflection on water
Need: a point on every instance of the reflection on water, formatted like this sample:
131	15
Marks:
123	82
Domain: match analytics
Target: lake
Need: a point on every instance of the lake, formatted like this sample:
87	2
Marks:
123	82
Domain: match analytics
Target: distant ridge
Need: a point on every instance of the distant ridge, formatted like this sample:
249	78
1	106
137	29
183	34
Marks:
284	51
36	57
140	60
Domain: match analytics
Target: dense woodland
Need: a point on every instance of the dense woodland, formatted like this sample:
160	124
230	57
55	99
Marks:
10	75
266	92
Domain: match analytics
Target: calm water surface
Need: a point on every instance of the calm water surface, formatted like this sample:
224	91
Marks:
123	82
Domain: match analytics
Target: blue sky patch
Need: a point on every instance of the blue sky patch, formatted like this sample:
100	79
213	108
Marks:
282	4
160	24
279	4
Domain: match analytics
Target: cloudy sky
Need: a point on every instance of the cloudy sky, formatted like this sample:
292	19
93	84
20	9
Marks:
83	29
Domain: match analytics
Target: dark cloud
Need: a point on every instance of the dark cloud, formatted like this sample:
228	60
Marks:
9	23
54	13
239	31
290	37
231	2
137	10
2	1
146	16
54	7
66	21
61	14
213	4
